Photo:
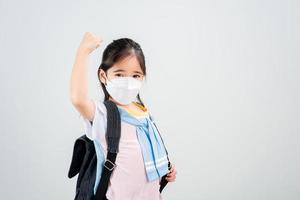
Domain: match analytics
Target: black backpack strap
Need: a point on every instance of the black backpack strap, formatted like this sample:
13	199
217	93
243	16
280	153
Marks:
163	181
113	135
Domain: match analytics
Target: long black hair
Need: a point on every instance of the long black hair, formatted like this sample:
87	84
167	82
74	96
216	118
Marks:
116	51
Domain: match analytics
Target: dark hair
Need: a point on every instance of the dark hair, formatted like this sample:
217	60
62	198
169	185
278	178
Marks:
116	51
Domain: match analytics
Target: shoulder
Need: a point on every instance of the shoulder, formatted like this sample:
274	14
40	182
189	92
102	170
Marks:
100	109
95	128
100	106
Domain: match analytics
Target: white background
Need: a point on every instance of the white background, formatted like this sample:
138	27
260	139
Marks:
223	85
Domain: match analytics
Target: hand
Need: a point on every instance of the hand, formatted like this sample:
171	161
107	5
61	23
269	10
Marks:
171	174
89	43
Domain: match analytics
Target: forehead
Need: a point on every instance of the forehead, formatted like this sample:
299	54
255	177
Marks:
128	64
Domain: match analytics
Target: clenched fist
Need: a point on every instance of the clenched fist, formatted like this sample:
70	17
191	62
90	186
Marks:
89	42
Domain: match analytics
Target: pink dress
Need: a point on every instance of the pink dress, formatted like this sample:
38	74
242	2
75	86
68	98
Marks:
128	180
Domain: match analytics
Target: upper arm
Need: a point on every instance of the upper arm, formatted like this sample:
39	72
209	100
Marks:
86	109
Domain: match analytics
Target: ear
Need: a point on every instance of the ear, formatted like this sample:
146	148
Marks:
102	76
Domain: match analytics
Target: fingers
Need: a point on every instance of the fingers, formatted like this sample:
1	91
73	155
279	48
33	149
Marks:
90	42
173	173
173	168
171	176
98	41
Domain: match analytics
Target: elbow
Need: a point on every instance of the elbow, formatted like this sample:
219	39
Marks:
77	98
76	101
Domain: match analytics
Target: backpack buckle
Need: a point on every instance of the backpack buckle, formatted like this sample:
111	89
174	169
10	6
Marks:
109	165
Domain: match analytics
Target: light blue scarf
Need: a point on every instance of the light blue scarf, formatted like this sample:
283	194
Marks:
152	146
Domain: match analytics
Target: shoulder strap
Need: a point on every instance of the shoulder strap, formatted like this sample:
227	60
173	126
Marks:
113	134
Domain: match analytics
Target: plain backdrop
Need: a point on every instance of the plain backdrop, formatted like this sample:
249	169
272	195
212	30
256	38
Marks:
223	84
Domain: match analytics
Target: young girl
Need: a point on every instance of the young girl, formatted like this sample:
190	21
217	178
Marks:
122	74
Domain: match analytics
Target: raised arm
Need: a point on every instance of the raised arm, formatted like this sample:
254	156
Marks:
78	82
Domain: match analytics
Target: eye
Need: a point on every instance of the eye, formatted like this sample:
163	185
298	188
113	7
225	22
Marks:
136	76
119	75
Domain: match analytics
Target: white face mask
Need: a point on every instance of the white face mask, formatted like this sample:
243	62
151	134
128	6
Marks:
123	89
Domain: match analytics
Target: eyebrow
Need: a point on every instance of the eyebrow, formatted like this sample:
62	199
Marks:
121	70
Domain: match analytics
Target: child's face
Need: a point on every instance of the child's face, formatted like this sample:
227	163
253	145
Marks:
129	66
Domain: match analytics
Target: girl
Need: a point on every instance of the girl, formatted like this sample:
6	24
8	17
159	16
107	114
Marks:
121	74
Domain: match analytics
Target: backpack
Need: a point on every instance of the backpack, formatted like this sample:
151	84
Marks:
84	159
